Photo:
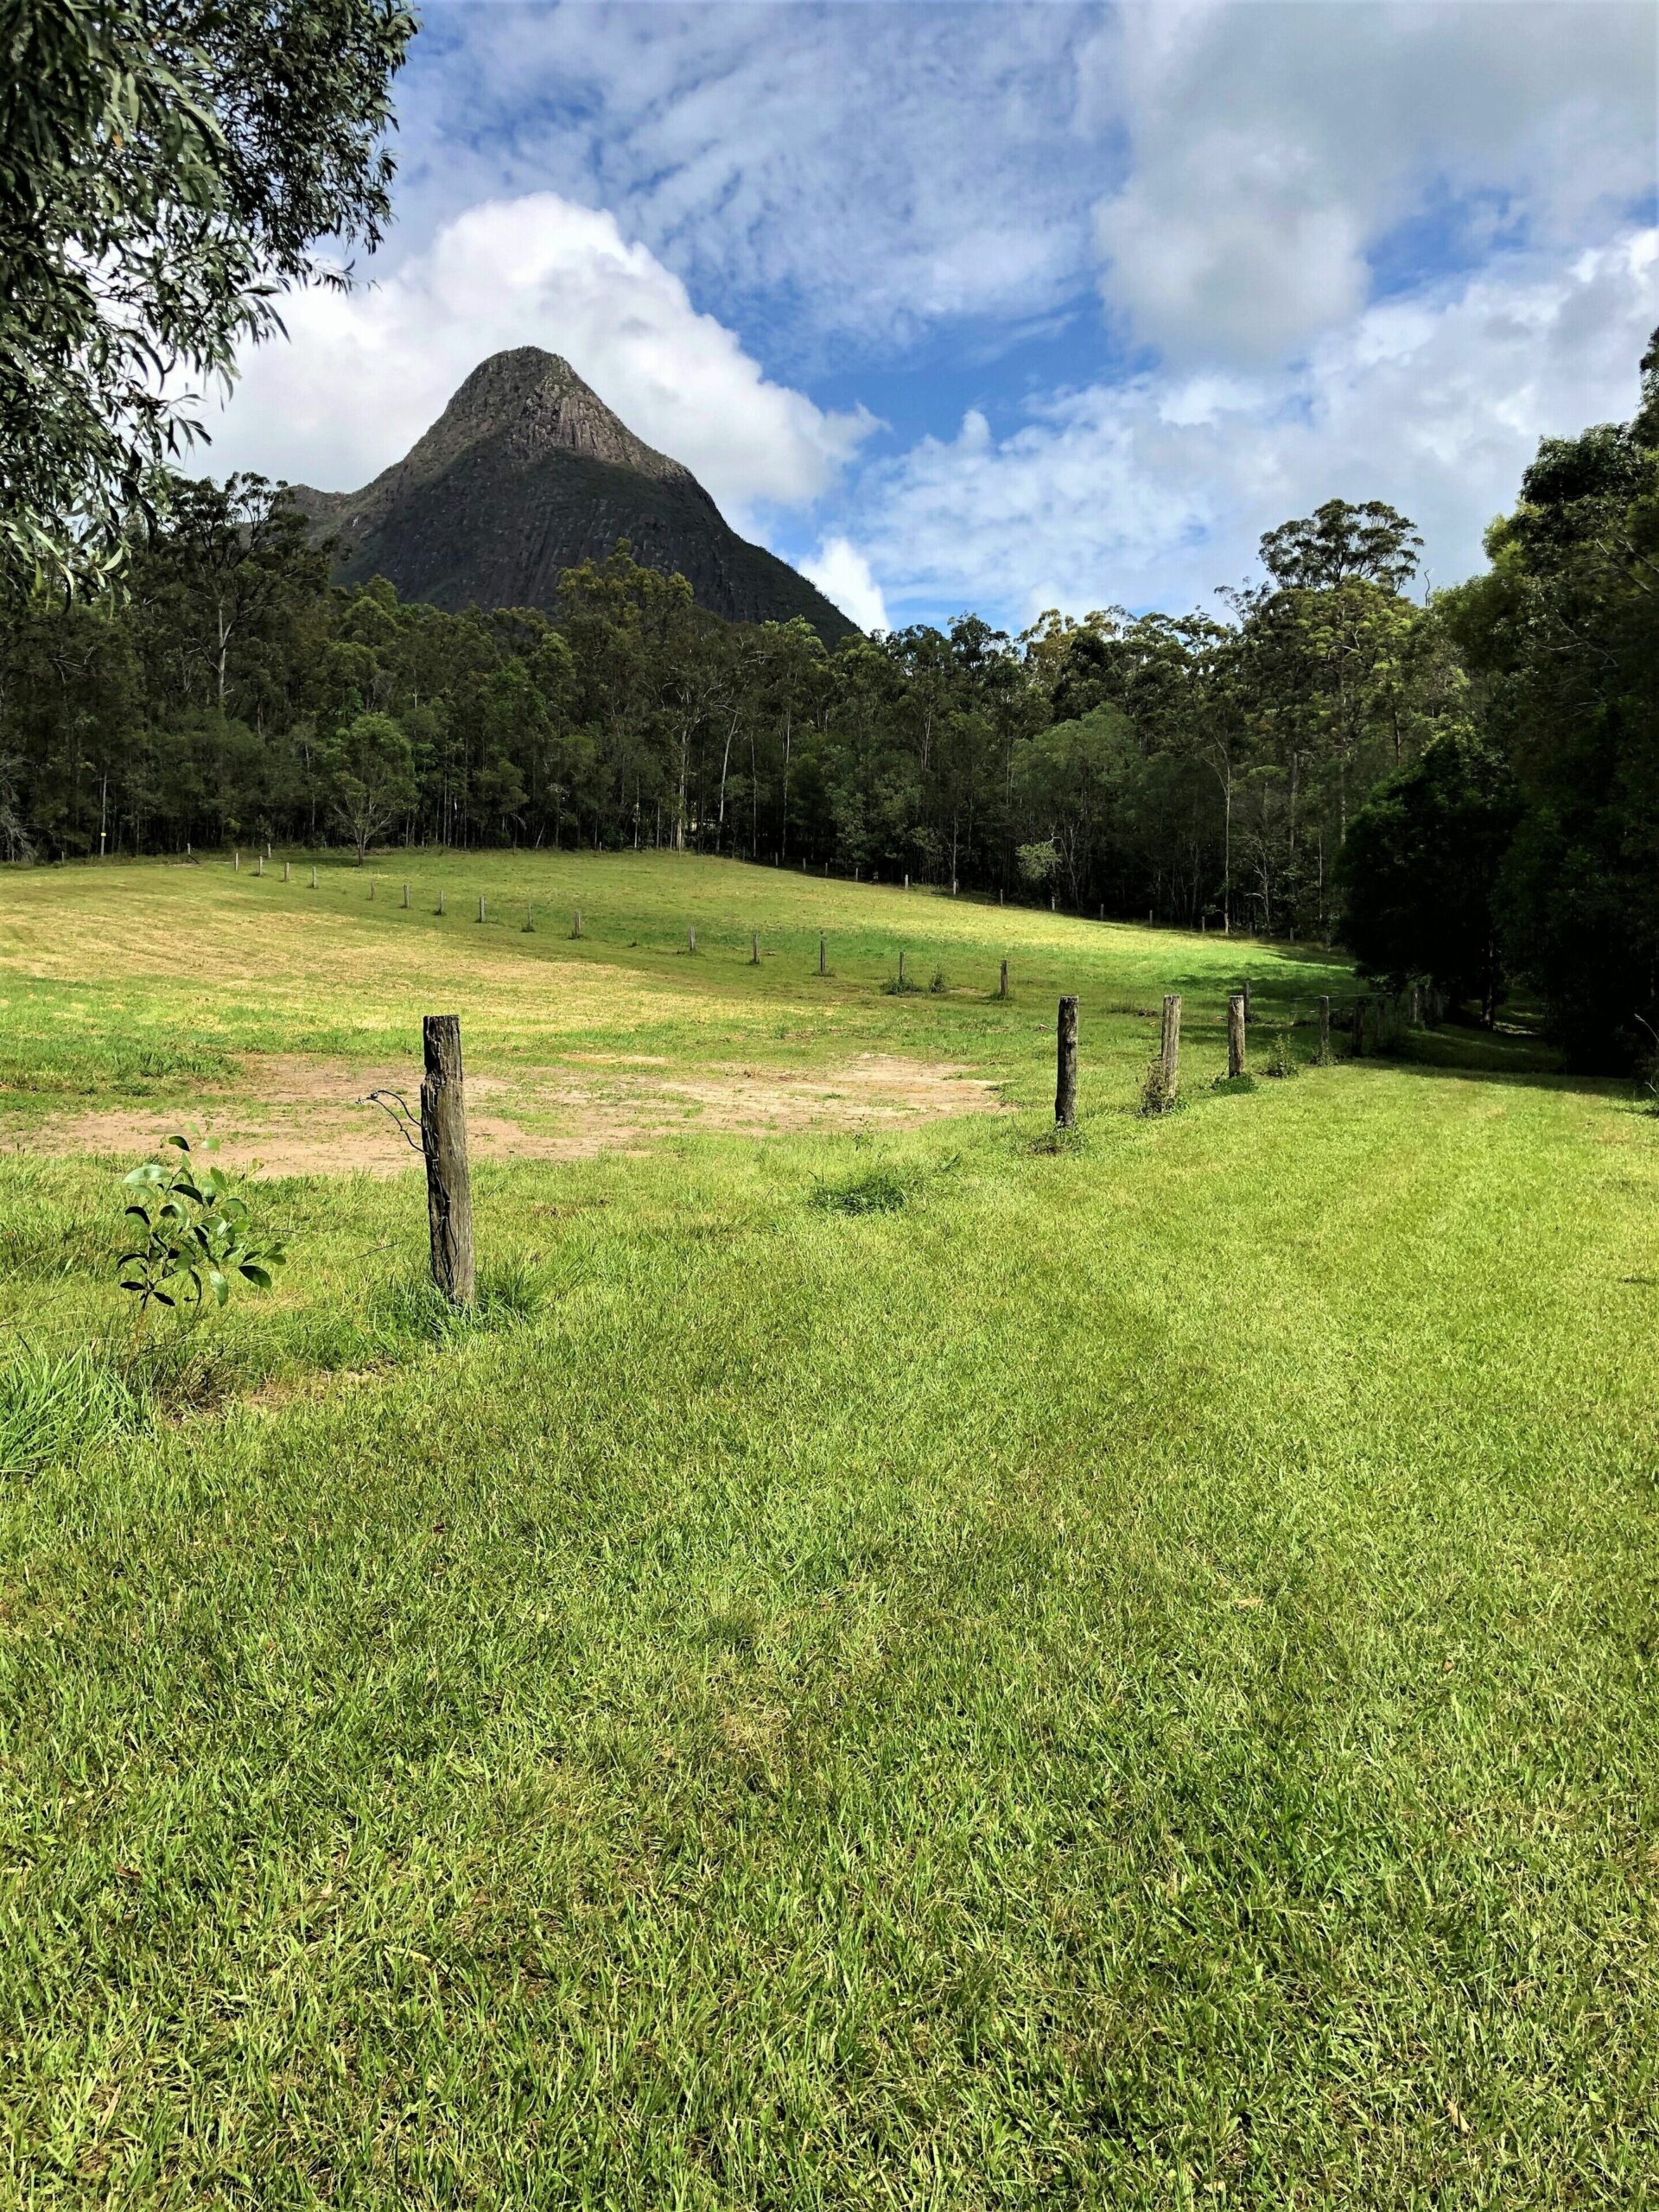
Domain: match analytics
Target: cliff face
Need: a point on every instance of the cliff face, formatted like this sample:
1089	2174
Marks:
527	472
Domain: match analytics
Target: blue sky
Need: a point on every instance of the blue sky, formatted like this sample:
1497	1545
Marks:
1012	306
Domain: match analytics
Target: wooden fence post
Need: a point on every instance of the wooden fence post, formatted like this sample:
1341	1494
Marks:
822	971
1065	1065
286	877
530	916
690	936
1235	1032
236	860
755	949
1169	1052
1002	987
901	971
575	927
405	897
480	905
314	879
907	883
440	902
370	887
443	1142
259	865
1324	1030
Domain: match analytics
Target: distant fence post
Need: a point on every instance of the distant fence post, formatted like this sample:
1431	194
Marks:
443	1142
822	971
901	971
236	860
1002	987
314	879
1324	1030
575	926
754	948
405	897
1065	1065
440	902
1235	1032
259	865
1360	1004
480	905
1169	1051
530	916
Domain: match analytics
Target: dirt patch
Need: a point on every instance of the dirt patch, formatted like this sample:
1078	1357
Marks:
290	1116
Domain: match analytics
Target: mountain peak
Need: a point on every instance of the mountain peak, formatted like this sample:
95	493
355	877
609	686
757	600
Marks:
527	473
537	403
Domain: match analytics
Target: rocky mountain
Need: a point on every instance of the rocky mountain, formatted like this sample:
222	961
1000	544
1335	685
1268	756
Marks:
527	472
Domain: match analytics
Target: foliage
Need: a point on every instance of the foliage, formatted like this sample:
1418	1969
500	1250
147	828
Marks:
872	1190
1421	868
195	1235
167	171
1157	1095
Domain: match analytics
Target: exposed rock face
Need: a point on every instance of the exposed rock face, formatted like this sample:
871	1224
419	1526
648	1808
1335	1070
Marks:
527	472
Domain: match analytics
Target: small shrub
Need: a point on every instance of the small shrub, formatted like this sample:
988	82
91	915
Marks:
1281	1061
938	985
877	1190
196	1236
52	1409
1233	1085
899	987
1057	1140
1157	1095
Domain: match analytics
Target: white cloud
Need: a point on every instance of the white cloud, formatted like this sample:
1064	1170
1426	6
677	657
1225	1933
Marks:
843	576
1154	490
363	374
1273	148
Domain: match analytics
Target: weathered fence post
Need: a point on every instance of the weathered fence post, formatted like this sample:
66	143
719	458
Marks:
530	916
1169	1051
370	887
440	902
259	865
314	879
755	949
907	883
236	860
405	897
1324	1030
822	971
901	971
1002	987
1235	1032
575	926
286	877
1065	1065
480	905
443	1142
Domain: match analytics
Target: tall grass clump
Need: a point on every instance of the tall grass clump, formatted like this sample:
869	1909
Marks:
54	1408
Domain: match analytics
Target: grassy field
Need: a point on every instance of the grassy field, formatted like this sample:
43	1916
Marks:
893	1665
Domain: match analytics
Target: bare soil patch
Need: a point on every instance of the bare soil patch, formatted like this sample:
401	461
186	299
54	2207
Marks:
293	1115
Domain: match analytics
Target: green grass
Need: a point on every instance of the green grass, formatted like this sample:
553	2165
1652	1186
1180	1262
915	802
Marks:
913	1670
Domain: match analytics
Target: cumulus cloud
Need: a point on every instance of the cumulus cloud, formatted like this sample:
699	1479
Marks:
843	574
1154	491
363	374
1275	150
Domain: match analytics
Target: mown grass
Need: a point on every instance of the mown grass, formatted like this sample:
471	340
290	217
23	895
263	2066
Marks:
1123	1677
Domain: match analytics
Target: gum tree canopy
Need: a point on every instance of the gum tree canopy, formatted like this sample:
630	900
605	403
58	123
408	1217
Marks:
166	167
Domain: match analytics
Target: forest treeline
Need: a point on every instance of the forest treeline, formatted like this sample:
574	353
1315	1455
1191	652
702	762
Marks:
1465	789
